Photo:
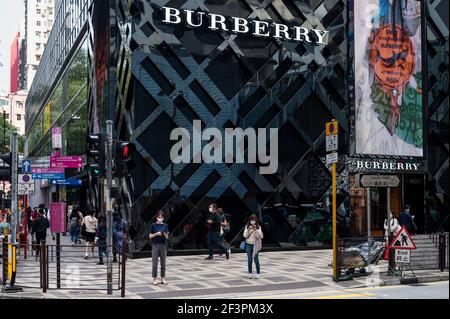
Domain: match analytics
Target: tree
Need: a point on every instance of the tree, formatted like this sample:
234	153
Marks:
6	130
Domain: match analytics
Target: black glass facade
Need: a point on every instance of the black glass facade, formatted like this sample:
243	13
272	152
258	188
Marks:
164	76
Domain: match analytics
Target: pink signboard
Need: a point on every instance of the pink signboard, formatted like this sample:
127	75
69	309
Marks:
66	162
58	217
47	170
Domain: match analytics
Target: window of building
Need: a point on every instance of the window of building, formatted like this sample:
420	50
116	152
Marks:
38	23
38	34
7	116
38	11
19	104
38	46
19	117
38	57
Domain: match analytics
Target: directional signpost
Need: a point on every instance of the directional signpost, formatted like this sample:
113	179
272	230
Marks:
68	182
380	181
331	130
48	173
66	162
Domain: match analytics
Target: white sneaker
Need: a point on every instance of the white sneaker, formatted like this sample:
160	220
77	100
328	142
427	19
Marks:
257	276
249	276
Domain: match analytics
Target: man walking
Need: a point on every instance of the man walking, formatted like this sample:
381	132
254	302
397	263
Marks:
214	226
407	220
40	228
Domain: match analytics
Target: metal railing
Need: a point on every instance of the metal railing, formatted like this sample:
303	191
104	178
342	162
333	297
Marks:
64	267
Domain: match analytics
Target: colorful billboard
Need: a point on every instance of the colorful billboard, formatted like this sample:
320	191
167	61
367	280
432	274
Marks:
388	77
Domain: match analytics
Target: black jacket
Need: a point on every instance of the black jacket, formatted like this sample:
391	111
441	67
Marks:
40	225
216	222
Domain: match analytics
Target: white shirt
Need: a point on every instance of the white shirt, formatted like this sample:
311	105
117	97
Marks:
91	224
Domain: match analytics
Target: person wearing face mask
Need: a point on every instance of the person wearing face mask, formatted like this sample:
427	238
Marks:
159	233
395	228
214	227
253	243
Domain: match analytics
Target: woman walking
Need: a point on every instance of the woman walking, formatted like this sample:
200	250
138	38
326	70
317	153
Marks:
75	219
253	243
159	233
88	230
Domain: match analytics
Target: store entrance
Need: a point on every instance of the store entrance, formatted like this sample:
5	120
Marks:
378	207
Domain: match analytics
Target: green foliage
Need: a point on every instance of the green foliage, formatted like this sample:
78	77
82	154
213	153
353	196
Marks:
6	130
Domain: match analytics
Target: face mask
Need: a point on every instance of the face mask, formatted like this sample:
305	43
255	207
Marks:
160	220
253	222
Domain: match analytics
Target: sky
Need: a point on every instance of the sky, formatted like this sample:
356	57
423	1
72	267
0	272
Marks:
11	13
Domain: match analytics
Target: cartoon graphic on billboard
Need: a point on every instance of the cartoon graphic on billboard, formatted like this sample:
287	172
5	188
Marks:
388	77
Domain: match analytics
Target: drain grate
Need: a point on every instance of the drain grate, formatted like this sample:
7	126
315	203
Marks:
417	285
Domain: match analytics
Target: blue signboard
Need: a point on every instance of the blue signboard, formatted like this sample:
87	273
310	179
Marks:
49	176
26	167
68	182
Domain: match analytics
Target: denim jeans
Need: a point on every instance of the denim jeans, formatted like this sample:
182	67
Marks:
101	250
249	248
74	234
213	241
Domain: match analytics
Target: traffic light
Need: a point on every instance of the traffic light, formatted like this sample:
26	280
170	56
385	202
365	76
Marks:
6	167
125	158
96	155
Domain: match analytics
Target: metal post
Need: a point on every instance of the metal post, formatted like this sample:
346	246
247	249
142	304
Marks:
333	195
124	262
109	210
4	152
14	209
369	218
389	240
58	261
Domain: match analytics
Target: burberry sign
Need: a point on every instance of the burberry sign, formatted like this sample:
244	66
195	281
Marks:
258	28
361	165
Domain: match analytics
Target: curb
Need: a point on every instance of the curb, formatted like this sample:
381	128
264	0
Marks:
415	280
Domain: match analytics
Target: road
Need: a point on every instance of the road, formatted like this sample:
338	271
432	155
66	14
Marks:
436	290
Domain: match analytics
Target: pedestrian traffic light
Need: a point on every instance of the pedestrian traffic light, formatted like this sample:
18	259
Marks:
125	158
96	155
6	167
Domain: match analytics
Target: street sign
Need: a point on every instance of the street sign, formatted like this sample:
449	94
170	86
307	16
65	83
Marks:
403	240
68	182
332	128
48	173
66	162
25	187
332	143
56	138
25	179
29	192
402	256
380	181
332	158
26	166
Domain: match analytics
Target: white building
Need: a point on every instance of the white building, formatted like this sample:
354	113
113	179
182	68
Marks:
14	107
39	18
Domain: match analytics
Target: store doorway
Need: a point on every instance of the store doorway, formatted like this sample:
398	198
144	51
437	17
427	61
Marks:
378	207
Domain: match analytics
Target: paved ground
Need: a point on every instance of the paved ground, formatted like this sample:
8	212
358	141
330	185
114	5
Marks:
283	273
435	290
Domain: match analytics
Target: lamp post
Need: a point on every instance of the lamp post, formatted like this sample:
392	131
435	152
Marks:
4	151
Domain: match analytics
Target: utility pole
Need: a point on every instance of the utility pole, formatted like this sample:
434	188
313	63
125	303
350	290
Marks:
109	209
14	209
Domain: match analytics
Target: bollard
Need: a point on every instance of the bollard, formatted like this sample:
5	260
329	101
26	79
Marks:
12	267
442	240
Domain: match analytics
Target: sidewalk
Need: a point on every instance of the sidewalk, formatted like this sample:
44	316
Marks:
194	277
